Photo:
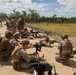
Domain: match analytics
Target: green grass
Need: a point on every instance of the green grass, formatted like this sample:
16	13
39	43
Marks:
69	29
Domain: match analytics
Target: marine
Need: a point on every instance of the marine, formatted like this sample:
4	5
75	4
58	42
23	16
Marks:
5	46
25	33
20	23
13	24
46	42
20	58
65	49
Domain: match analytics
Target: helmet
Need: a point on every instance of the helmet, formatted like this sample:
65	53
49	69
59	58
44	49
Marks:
64	36
16	35
8	34
25	42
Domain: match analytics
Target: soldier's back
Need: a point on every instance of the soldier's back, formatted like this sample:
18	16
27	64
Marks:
67	45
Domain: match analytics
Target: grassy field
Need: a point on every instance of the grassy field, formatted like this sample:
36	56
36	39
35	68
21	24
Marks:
69	29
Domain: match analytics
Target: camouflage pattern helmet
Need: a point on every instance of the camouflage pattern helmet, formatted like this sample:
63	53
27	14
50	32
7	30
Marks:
25	42
8	34
16	35
64	36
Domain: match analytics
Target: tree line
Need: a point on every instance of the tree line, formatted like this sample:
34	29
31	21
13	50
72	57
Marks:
34	17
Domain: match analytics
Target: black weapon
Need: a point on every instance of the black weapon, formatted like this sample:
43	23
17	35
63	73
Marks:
34	33
41	66
73	53
38	49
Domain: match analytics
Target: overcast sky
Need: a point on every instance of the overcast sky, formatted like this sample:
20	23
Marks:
64	8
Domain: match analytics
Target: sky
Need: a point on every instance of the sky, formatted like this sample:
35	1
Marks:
62	8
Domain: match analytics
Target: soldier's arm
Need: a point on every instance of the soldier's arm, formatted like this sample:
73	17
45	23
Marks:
31	45
25	55
15	43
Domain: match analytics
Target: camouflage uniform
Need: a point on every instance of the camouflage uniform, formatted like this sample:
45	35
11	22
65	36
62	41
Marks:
46	42
21	24
15	42
65	49
13	23
5	49
20	58
25	33
5	46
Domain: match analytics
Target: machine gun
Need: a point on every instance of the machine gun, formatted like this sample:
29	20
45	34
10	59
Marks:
35	33
41	66
73	53
38	49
